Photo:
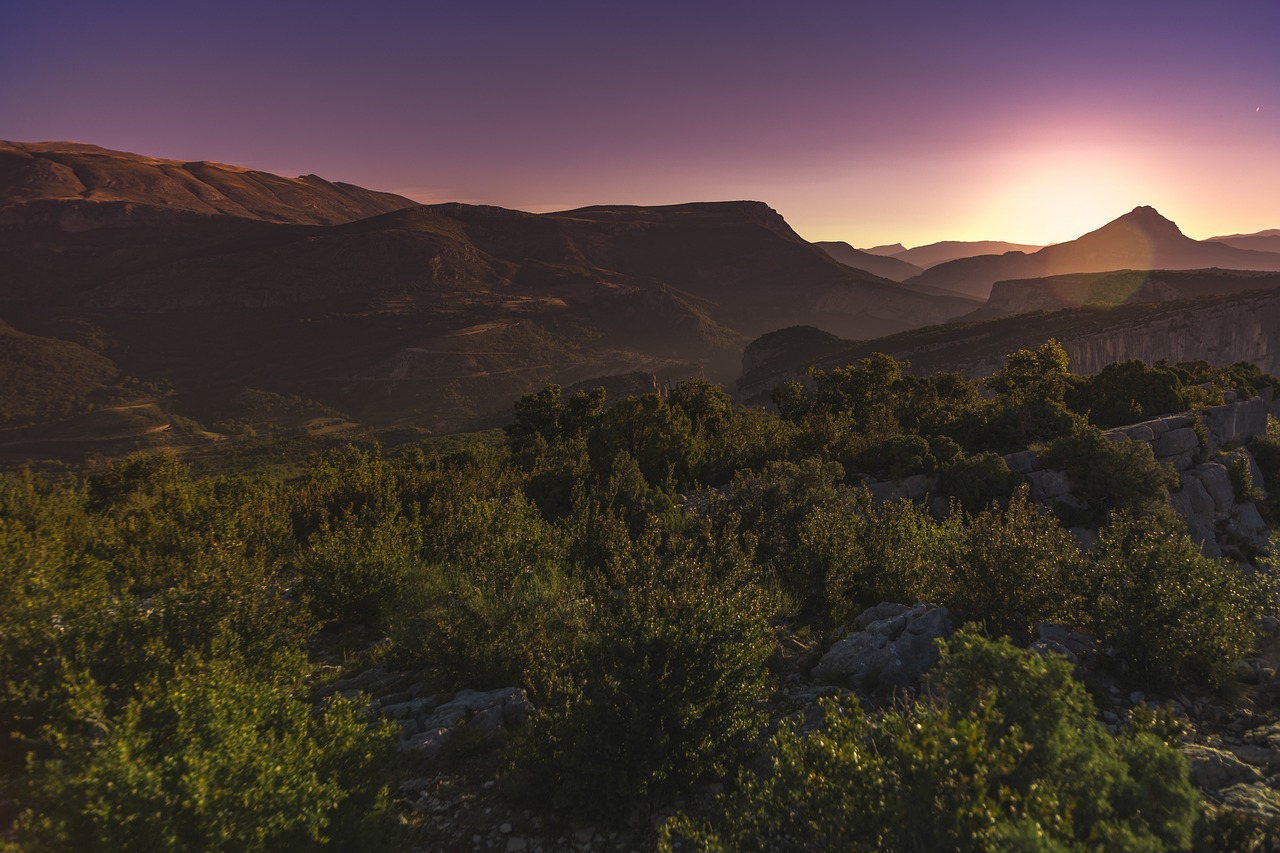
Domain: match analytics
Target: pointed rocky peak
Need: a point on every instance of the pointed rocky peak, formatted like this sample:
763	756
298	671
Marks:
1145	219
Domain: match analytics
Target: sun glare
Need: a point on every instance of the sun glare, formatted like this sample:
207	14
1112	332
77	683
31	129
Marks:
1053	199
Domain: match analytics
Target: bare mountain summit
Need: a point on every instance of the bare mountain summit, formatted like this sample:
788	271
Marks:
1141	239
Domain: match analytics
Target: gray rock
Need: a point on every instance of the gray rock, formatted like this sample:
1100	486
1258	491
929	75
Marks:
1119	436
1193	499
1235	422
1217	482
883	610
485	715
1215	769
1176	441
1141	432
1023	462
918	485
884	492
1267	760
1047	485
892	651
1247	523
1069	642
1253	799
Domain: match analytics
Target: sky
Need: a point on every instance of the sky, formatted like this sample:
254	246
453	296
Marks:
899	121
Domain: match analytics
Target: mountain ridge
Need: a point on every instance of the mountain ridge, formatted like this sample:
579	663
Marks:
1140	239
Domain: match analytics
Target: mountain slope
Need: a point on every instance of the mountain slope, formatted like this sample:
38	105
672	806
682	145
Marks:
1141	239
1118	288
949	250
1220	330
96	187
1261	241
427	315
885	267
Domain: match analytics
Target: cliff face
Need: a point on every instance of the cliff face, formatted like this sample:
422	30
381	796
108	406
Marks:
1240	330
1221	331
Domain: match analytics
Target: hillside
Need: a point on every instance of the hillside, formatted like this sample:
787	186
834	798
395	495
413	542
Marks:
886	267
1117	288
1220	330
1141	239
932	254
435	316
81	186
1260	241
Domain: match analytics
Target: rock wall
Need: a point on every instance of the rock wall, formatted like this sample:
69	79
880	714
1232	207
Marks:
1242	330
1201	446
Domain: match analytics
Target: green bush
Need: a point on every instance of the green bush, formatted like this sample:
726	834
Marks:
1109	475
1016	568
1174	614
975	482
672	693
492	605
210	758
1266	452
1014	760
356	563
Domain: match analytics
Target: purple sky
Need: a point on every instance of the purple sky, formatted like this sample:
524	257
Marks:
904	121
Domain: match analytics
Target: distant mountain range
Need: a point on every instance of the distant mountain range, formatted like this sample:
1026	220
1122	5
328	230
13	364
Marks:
948	250
1220	329
1141	239
211	280
1261	241
881	265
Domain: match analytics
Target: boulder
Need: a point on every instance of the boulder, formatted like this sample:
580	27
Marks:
1217	482
884	492
1176	442
1023	462
1235	423
1048	485
1254	799
1059	639
891	651
1246	522
1215	769
485	716
1140	432
918	485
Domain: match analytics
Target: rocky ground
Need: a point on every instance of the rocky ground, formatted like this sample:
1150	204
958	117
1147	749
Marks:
455	790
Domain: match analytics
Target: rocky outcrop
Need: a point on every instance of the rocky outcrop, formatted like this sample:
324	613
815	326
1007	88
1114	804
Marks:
1208	499
892	647
430	722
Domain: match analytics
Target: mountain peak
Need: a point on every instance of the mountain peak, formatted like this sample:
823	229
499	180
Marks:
1149	219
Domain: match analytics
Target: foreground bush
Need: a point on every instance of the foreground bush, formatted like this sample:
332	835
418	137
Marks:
1014	759
207	759
494	607
672	693
1174	614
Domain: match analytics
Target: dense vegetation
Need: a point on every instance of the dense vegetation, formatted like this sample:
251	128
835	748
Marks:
631	567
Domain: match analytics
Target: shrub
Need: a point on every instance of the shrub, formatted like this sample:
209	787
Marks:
1013	760
354	564
1175	614
672	693
974	482
492	605
206	758
1109	475
1266	452
1016	568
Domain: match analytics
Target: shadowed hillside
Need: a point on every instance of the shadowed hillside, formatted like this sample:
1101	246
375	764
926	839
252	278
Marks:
209	280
